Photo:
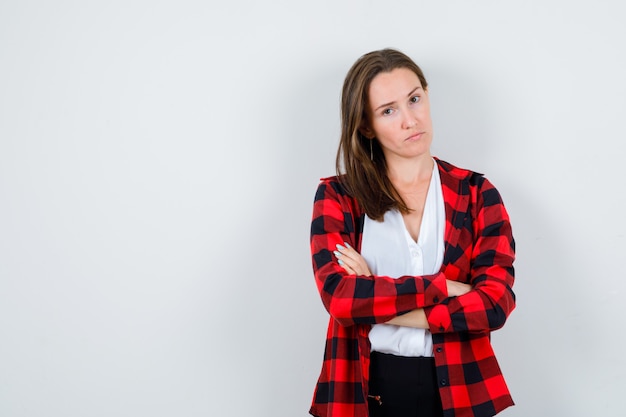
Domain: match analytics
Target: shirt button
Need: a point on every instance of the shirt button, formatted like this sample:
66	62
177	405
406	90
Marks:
444	382
439	350
436	300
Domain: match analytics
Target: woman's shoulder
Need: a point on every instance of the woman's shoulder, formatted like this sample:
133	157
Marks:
454	170
459	174
330	180
479	186
335	188
336	183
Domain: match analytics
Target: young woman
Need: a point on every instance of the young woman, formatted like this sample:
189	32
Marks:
413	259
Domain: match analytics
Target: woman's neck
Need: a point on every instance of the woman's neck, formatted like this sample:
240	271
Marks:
407	173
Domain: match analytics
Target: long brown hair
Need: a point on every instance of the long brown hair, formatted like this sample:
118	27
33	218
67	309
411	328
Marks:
365	175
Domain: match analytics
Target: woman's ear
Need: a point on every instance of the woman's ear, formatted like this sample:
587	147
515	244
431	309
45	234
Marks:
367	131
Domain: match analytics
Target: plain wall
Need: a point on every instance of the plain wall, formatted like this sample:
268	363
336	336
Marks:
158	161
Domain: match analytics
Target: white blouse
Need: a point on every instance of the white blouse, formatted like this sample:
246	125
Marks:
389	250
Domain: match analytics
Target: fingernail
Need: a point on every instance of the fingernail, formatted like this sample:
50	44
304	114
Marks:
340	247
340	262
337	254
347	244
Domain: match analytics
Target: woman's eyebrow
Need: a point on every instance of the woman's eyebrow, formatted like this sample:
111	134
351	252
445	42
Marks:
392	102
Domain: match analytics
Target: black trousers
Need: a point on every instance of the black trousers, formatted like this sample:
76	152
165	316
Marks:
403	387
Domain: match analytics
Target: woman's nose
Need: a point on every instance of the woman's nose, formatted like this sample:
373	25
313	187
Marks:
409	120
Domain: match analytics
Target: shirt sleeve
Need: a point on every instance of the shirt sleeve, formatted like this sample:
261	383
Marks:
352	299
487	306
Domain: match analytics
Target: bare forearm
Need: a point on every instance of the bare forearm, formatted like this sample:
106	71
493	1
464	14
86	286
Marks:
415	318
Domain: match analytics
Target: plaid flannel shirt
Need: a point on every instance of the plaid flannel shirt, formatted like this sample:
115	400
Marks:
479	250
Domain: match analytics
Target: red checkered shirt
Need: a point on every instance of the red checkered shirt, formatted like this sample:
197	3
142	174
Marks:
479	250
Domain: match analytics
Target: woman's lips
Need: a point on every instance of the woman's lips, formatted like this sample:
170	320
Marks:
414	137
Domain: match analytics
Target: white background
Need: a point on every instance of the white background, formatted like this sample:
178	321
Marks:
158	161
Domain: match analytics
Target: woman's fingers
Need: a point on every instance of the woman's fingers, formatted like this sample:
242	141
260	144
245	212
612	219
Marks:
351	260
343	263
348	252
347	268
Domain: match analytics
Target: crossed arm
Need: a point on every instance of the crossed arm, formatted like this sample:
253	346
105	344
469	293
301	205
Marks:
354	263
352	295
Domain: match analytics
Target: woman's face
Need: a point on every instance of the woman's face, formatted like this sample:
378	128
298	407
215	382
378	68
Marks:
399	115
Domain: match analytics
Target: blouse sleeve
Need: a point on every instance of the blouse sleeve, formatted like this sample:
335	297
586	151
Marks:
487	306
354	299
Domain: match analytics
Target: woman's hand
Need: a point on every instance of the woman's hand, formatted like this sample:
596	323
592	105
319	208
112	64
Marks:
351	260
456	288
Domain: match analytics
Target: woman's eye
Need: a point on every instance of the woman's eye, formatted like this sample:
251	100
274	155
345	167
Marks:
387	112
415	99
